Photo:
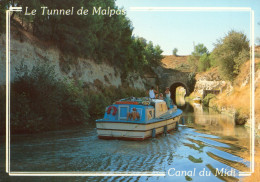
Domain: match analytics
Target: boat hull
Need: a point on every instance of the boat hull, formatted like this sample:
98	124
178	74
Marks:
135	130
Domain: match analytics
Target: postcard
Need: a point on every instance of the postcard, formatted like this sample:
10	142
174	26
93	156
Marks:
124	90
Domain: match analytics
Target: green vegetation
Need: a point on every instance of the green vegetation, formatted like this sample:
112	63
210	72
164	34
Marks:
174	52
42	102
230	53
98	37
3	4
144	55
204	62
199	58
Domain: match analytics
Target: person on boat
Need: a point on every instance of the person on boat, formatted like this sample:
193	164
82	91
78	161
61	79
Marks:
133	115
161	96
152	93
168	97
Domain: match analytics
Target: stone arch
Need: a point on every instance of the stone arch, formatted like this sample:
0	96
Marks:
173	88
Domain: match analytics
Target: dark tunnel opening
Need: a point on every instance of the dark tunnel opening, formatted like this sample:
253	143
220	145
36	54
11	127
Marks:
173	89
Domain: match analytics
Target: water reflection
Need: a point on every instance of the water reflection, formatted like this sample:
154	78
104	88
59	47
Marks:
211	120
209	141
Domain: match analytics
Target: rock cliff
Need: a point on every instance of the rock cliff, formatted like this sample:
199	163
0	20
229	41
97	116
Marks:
85	70
211	80
234	98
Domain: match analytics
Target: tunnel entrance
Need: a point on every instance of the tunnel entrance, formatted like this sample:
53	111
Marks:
178	87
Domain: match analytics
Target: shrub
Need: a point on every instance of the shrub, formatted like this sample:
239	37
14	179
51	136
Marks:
230	53
240	119
100	38
174	51
97	104
40	101
198	60
204	62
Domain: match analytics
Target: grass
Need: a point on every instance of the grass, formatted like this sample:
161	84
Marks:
176	62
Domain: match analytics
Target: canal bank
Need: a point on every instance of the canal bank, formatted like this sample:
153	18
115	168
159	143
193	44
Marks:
233	98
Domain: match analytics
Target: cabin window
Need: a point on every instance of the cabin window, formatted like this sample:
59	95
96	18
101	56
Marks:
123	110
149	114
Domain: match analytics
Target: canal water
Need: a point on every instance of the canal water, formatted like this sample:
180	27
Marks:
206	145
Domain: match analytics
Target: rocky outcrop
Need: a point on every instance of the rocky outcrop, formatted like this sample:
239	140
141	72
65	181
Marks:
234	99
85	70
211	81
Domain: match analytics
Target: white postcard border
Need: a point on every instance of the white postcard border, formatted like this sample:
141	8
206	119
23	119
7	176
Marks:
148	173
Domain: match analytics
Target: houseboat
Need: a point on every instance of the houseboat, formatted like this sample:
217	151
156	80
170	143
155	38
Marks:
137	119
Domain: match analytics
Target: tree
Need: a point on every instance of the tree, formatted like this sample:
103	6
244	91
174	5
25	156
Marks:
174	51
204	62
194	58
230	53
144	54
96	37
153	54
199	50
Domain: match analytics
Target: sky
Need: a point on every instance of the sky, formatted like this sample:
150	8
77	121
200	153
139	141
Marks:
184	29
